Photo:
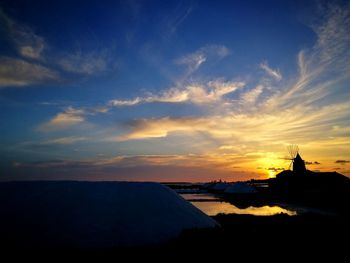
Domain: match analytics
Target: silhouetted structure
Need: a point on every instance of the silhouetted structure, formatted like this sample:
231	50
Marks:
296	160
298	165
329	190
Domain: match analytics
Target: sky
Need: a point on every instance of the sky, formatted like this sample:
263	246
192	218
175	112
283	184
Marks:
172	90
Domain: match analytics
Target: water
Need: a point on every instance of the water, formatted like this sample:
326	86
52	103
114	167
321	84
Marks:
212	205
213	208
200	197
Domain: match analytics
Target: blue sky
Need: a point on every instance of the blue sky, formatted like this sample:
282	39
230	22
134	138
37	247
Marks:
172	90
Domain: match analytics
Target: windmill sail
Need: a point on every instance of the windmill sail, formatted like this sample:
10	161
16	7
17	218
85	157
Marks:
296	160
293	150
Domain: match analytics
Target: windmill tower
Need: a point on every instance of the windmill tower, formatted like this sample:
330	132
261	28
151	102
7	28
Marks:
296	160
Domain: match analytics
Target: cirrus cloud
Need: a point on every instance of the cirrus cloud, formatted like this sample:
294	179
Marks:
36	64
19	73
212	91
26	41
274	73
194	60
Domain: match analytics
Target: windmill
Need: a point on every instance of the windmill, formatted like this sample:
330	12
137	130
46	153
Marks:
293	150
297	162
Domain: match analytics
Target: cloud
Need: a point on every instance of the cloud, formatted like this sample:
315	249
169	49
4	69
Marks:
48	146
296	124
250	97
226	147
132	102
271	72
275	169
17	72
69	117
99	109
194	60
294	112
342	161
88	63
35	63
334	34
324	68
312	163
174	20
64	140
27	42
207	161
156	128
140	167
211	92
311	109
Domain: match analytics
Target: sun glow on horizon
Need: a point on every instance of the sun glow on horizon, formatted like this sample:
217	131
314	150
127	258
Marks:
271	174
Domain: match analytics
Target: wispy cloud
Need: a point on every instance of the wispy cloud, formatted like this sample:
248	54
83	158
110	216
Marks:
48	146
204	161
275	169
324	68
27	42
99	109
69	117
194	60
88	63
250	97
342	161
274	73
293	125
17	72
132	102
197	93
310	109
35	63
261	117
226	147
174	20
64	140
312	163
156	128
153	167
334	34
210	92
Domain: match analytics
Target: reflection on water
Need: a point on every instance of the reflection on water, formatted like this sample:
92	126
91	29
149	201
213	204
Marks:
213	208
212	205
202	196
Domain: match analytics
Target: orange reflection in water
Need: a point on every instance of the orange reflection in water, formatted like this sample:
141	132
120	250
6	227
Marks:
214	208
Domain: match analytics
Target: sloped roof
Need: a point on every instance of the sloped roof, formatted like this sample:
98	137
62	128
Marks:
94	214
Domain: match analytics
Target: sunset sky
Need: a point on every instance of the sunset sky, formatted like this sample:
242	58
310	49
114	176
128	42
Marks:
172	90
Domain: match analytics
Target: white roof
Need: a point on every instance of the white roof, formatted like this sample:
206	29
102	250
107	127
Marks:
97	214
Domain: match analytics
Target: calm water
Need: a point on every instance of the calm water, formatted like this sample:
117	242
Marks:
214	206
201	196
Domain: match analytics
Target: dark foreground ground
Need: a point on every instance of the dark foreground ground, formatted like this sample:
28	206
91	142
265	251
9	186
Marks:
268	233
244	238
279	237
